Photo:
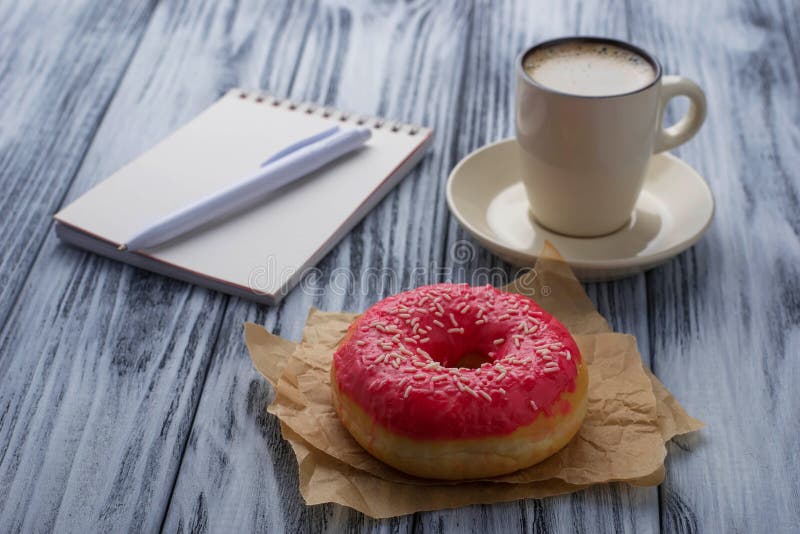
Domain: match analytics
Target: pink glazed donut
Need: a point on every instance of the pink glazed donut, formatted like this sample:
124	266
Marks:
457	382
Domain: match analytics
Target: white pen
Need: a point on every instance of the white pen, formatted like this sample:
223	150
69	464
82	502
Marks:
286	166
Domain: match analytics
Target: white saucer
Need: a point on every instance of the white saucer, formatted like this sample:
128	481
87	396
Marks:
485	194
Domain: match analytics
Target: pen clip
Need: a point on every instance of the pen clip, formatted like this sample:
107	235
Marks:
294	147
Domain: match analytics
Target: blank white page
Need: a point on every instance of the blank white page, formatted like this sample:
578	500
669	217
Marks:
269	243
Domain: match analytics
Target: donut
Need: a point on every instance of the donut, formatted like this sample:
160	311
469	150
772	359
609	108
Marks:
456	382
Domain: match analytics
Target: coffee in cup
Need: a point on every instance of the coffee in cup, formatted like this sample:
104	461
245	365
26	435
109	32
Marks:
588	119
588	69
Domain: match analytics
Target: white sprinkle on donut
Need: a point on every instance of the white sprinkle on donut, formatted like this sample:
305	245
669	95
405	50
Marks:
534	406
502	370
455	330
550	370
438	323
499	341
408	391
485	395
471	391
453	320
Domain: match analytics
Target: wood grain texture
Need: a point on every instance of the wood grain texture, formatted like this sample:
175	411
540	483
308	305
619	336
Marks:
57	76
724	317
103	365
127	401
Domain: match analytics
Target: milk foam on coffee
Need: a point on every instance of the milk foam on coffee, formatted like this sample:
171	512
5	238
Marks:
589	69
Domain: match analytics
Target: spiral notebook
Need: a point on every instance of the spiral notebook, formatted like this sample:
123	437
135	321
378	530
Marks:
261	253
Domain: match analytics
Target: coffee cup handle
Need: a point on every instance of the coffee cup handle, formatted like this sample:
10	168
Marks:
684	129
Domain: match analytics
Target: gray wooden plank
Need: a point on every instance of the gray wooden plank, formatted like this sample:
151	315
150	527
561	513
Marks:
789	14
57	75
103	364
724	316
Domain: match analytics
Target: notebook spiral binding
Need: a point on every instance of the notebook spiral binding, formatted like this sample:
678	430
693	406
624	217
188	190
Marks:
327	112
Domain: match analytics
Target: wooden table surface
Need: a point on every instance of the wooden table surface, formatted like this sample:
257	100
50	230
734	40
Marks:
127	400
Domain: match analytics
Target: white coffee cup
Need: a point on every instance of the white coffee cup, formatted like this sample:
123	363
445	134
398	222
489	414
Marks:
587	136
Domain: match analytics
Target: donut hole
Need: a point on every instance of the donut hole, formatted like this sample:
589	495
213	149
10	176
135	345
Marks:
471	360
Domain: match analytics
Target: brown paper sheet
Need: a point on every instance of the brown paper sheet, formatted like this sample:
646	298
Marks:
631	414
